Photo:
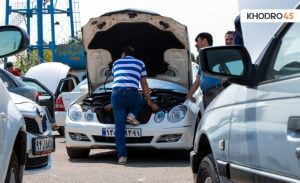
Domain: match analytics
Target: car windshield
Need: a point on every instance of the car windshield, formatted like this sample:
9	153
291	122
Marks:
77	88
153	84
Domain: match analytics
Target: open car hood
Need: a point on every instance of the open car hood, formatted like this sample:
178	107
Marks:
161	42
49	74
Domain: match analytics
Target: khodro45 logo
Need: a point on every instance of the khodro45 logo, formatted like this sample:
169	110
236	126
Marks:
270	15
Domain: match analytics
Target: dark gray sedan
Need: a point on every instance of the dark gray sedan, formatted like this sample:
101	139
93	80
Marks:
16	85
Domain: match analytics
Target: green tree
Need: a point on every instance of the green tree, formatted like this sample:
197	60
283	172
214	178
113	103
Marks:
24	63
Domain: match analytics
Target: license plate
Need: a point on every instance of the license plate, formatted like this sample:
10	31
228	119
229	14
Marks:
43	145
129	132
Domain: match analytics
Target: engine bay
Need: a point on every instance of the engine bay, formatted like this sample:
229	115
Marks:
165	99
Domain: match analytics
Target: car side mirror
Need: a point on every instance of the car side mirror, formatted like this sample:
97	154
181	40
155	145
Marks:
12	40
227	62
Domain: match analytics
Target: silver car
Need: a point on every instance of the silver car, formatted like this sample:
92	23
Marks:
40	141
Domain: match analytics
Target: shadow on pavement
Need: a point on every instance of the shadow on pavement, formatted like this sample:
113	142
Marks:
140	158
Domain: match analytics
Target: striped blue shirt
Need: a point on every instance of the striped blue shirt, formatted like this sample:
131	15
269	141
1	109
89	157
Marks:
127	72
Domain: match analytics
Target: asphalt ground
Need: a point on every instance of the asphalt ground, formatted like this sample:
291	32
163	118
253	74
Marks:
147	166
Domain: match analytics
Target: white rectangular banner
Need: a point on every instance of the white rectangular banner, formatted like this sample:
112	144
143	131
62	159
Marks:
270	15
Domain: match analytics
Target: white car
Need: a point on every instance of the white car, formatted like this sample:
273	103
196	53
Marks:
62	80
12	127
40	142
64	100
162	43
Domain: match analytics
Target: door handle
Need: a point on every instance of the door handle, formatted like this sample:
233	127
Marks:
294	123
2	116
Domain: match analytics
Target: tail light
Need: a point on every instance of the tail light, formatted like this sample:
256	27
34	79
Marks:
59	104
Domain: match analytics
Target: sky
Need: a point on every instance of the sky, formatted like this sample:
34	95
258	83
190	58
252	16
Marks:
214	16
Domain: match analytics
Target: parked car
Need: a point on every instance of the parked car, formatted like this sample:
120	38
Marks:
62	80
40	141
31	89
251	131
12	127
16	85
168	63
64	100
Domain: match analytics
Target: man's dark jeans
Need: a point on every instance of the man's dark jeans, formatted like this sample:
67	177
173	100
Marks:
124	101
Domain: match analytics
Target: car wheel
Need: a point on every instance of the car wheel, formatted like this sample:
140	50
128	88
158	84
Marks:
61	131
12	175
78	153
207	172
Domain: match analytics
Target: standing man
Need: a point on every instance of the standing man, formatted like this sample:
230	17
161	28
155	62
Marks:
10	68
238	36
126	100
210	86
229	38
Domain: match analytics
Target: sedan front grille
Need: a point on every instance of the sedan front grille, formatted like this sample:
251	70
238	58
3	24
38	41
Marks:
142	140
33	127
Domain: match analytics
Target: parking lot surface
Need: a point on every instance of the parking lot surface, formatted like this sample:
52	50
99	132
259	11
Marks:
101	166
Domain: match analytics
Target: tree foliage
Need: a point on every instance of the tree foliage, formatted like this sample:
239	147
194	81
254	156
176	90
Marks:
28	59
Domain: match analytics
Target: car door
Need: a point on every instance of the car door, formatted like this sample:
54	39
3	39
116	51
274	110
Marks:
265	129
46	97
3	117
66	85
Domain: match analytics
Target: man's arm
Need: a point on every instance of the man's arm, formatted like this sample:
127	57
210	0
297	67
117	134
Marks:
193	88
147	95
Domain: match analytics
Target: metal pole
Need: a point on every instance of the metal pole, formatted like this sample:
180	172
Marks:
70	13
52	30
28	16
40	41
7	12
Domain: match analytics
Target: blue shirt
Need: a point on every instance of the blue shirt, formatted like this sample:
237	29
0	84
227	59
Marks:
127	72
207	82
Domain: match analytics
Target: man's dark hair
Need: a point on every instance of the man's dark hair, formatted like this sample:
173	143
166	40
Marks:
229	32
9	64
128	50
207	36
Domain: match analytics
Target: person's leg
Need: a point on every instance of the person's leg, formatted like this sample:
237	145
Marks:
137	102
119	111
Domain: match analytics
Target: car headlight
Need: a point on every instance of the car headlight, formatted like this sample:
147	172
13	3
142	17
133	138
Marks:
75	112
177	113
89	115
159	116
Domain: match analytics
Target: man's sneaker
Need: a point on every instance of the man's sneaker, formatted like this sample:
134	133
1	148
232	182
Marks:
122	160
131	119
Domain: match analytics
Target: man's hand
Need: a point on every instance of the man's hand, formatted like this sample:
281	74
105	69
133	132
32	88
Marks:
108	107
153	106
193	99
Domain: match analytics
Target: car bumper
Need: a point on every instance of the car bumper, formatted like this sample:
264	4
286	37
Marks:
37	163
194	161
93	137
60	118
46	167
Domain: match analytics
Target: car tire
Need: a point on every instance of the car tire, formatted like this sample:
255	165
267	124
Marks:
207	172
61	131
78	153
13	170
